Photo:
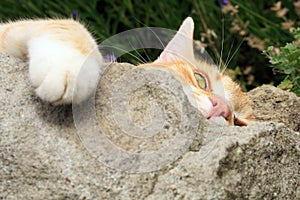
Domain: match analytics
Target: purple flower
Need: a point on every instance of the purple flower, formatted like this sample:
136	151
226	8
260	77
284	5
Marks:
75	14
222	3
110	58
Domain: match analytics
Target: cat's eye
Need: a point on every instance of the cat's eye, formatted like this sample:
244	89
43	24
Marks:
201	80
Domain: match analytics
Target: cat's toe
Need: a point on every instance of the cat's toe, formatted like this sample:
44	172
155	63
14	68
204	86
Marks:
53	89
68	85
61	73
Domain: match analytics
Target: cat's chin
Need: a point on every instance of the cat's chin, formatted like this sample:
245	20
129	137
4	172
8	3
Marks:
220	121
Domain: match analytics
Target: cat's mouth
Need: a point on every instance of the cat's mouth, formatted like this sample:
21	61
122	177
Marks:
221	109
230	120
239	122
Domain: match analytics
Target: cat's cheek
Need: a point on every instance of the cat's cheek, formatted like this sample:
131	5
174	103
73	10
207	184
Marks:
199	101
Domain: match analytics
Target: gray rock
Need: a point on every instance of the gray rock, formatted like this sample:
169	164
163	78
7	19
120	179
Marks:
43	157
273	104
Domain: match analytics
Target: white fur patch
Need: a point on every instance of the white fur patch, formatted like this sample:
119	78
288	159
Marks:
53	70
199	101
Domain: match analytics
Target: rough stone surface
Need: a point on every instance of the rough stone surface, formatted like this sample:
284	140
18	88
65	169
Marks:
42	157
273	104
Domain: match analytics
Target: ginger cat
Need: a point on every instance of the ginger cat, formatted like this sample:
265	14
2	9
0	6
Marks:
56	50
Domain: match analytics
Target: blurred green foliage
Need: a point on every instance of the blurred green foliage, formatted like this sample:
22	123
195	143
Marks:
286	61
235	33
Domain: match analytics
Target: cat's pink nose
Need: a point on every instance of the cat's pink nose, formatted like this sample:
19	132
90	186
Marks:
220	108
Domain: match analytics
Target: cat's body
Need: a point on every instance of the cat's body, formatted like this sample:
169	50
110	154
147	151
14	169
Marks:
57	49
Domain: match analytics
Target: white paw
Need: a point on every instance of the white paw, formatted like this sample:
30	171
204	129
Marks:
60	73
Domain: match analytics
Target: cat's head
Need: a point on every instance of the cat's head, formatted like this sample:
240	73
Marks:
216	96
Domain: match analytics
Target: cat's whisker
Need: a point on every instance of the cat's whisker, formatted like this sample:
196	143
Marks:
142	58
222	48
118	49
146	54
228	56
162	44
237	49
144	51
131	54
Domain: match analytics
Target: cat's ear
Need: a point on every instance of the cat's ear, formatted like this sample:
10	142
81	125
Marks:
181	45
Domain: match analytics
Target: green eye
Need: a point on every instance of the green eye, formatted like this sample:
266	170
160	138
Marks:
201	80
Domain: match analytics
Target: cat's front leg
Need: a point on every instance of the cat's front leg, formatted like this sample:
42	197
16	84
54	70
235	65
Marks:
57	50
